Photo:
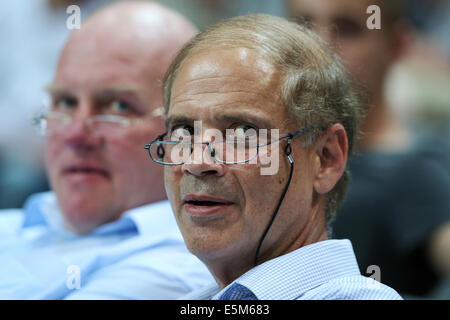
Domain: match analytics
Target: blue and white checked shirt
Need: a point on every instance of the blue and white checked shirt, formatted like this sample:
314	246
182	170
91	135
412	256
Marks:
140	256
322	270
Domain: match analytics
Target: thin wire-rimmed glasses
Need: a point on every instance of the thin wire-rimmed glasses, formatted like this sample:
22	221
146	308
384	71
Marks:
236	151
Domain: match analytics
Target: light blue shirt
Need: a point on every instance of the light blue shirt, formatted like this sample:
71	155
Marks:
139	256
323	270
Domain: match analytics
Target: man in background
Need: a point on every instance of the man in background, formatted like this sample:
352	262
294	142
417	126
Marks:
105	231
397	211
34	32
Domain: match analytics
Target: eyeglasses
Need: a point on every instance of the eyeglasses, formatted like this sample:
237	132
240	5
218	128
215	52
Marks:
235	151
50	122
53	122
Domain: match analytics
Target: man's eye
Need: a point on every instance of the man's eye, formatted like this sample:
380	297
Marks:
64	103
120	106
245	132
347	28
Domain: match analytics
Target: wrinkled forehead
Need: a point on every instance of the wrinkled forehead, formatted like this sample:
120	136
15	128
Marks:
226	83
225	70
228	59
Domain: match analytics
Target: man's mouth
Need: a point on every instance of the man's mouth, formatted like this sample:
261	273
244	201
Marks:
86	170
204	205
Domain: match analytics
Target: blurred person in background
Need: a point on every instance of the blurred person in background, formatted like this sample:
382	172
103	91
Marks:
417	87
31	34
397	211
105	231
207	12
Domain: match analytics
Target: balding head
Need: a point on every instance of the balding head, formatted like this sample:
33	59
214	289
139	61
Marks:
113	65
143	32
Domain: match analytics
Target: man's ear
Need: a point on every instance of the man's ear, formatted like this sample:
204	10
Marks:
331	158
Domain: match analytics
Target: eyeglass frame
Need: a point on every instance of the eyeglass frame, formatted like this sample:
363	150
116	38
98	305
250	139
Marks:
289	136
124	122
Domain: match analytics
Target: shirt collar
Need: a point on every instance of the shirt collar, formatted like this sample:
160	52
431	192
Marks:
290	276
151	218
38	208
42	209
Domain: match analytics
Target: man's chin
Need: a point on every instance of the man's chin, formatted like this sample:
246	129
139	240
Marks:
84	180
82	222
212	248
79	229
84	212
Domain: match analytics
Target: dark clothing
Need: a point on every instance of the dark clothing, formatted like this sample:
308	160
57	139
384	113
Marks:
394	203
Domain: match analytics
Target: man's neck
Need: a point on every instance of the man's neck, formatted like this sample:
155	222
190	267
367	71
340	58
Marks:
230	268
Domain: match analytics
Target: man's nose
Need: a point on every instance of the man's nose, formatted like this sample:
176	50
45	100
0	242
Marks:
202	163
79	134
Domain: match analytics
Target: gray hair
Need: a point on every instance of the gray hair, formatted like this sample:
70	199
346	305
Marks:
315	88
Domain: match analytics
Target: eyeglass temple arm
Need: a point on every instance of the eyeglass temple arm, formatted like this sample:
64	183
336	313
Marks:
293	134
290	135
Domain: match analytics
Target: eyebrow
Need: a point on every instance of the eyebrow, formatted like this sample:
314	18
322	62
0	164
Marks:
52	88
243	117
178	119
119	88
227	117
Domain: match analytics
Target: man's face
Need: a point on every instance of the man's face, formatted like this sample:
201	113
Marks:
342	23
96	174
233	88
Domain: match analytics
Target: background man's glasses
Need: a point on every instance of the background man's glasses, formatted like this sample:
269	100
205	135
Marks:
57	122
49	121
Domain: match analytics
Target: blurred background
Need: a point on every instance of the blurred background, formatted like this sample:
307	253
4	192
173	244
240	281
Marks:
32	32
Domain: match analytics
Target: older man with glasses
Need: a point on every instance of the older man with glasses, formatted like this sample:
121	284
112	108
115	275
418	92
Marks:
105	231
242	91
